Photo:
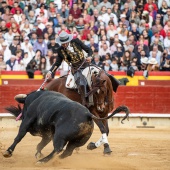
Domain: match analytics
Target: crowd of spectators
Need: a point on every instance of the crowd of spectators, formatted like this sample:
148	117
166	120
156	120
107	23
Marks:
123	34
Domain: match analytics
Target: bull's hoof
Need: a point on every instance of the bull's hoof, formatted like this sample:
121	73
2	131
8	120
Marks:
107	150
39	155
91	146
39	163
7	154
77	150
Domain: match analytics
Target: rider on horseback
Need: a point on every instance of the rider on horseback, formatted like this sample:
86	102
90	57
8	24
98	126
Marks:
71	51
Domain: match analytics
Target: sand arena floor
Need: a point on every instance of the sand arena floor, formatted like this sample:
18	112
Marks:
133	149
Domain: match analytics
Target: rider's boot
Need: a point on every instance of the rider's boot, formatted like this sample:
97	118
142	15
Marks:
83	92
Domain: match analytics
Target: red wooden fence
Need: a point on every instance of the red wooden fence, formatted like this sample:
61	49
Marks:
140	99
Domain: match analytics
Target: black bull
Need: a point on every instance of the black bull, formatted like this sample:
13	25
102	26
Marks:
53	116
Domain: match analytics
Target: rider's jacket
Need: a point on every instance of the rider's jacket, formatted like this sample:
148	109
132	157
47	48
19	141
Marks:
73	55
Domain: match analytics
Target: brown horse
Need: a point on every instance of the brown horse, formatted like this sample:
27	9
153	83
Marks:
103	103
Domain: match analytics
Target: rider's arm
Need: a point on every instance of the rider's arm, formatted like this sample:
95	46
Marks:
87	49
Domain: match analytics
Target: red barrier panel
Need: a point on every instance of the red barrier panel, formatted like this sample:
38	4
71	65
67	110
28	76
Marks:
144	99
139	99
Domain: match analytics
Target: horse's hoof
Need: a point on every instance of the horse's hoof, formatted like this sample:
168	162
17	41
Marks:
39	155
91	146
7	154
107	150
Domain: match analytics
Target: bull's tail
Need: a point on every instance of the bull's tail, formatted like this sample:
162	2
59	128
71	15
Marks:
117	110
15	111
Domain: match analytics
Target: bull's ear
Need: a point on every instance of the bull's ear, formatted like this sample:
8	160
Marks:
20	98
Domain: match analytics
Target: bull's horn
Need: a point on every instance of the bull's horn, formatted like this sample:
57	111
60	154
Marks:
20	96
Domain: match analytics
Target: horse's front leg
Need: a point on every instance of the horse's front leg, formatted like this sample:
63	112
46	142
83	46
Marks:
103	140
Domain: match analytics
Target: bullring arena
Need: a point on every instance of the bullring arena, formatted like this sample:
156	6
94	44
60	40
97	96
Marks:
142	143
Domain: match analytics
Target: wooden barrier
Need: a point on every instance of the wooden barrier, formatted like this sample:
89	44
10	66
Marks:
140	99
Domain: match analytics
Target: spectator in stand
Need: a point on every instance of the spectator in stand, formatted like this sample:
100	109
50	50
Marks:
148	19
40	23
116	10
135	32
94	36
105	3
26	45
25	60
167	16
126	10
75	12
111	30
143	46
31	17
31	68
109	16
163	6
123	20
43	17
95	16
40	45
7	15
167	41
97	61
2	64
15	8
9	36
17	15
106	66
86	16
118	53
157	42
94	6
64	12
165	65
41	9
42	67
150	2
3	6
103	50
156	54
12	64
127	58
33	37
37	57
53	45
3	27
70	22
167	27
85	31
114	65
6	52
144	64
152	65
157	36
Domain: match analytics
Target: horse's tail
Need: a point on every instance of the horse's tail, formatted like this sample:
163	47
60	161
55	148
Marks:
15	111
117	110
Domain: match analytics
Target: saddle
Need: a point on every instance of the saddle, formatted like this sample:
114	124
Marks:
87	72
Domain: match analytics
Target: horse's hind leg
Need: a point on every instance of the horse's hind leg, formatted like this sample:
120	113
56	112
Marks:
45	140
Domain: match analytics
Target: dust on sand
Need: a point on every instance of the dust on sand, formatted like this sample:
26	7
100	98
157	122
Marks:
133	149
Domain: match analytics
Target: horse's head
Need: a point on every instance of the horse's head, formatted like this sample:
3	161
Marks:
100	93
